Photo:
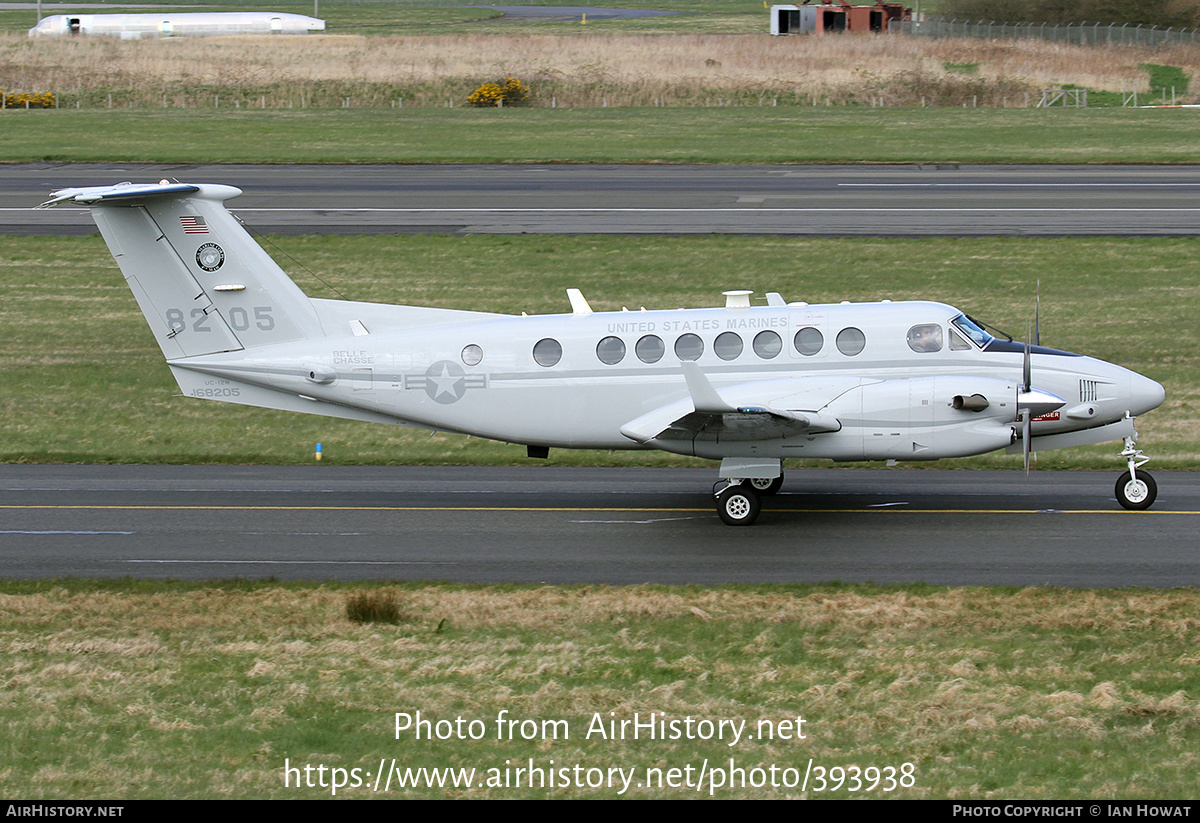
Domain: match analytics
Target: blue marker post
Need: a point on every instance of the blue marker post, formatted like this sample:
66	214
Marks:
318	453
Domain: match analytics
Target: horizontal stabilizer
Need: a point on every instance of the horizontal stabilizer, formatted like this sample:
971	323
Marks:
92	195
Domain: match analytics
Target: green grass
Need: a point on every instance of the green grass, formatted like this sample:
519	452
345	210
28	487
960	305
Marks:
1165	78
84	382
168	690
961	68
1166	83
754	134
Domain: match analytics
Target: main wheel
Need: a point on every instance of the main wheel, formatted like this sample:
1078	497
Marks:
738	505
1136	494
767	487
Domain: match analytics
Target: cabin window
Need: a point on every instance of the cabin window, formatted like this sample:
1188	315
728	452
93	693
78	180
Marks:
472	355
767	344
925	337
727	345
547	351
650	349
851	341
611	350
689	347
809	341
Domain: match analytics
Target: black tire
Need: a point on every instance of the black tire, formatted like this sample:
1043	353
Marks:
765	487
738	505
1136	494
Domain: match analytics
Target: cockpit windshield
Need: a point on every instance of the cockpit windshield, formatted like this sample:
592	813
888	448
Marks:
972	330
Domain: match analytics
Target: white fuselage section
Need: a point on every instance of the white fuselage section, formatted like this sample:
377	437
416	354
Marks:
172	24
599	380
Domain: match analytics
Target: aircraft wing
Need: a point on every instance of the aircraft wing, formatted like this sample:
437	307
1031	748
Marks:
760	410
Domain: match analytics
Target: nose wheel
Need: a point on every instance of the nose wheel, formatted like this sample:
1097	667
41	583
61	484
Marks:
1136	490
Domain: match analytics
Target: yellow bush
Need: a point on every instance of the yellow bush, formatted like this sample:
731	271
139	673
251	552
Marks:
513	92
19	100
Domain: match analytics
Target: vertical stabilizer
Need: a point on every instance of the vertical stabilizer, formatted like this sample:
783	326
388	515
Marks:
202	282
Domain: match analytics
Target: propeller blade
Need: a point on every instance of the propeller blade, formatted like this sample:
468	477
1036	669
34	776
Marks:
1037	317
1026	438
1027	369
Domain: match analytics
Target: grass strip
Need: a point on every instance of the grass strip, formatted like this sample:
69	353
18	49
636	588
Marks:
170	690
751	134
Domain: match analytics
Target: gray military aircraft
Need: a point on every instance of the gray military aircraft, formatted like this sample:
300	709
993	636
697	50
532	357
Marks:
747	385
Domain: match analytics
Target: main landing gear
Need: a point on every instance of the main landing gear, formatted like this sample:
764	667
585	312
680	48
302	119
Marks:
1135	490
738	503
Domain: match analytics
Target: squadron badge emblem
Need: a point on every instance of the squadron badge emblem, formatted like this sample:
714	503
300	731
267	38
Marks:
210	257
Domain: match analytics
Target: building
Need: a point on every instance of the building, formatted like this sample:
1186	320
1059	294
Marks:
836	17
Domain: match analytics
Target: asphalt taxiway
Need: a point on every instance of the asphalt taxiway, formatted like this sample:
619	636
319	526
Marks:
896	200
605	525
570	525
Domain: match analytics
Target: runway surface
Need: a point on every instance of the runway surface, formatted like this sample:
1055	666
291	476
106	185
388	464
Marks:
567	525
764	200
613	526
573	13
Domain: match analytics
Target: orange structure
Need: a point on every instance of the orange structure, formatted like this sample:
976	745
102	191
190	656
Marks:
836	17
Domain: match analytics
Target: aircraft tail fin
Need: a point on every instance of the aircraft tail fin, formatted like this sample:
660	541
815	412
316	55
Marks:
204	285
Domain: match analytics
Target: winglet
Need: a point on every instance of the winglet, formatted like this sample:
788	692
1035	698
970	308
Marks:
705	397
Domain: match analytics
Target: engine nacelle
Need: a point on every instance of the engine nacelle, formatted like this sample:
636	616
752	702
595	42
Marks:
920	418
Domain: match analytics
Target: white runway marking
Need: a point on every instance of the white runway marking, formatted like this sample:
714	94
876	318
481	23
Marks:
55	531
303	562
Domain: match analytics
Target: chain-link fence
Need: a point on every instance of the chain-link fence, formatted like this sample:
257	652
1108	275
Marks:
1084	34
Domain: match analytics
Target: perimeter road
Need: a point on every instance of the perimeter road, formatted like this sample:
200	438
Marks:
568	525
915	200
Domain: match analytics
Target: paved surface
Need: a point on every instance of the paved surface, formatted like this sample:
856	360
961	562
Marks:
768	200
613	526
566	525
576	12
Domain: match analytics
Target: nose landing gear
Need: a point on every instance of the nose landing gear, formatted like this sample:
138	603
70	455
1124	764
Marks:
1135	490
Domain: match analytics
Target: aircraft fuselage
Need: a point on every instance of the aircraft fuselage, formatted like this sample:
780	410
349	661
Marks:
575	381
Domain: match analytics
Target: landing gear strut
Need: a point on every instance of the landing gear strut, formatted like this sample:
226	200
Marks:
749	479
1135	490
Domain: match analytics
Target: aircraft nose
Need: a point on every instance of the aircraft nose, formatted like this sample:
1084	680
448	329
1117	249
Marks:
1144	394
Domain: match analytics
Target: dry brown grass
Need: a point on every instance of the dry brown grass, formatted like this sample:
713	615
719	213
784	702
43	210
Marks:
205	692
573	70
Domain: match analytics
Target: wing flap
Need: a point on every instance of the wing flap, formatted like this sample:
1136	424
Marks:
746	412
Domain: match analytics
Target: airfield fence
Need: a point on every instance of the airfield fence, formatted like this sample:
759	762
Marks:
1082	34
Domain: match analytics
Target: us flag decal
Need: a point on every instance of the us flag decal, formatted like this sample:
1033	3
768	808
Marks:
193	225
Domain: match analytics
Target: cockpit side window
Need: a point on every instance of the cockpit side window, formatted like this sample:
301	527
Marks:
972	330
925	337
958	342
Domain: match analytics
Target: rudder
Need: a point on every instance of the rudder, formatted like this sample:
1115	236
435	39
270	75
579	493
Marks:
202	282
